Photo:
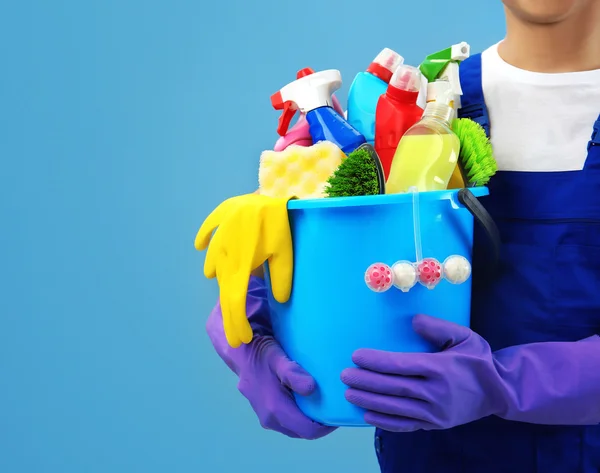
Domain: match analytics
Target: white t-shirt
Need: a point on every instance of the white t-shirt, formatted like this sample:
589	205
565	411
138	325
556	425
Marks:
539	122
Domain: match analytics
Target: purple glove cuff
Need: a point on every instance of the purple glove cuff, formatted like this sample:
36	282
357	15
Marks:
553	383
257	310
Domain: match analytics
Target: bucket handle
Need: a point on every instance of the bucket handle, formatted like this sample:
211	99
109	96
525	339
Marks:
482	216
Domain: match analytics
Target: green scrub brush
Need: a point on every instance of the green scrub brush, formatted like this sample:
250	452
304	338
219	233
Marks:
359	174
476	159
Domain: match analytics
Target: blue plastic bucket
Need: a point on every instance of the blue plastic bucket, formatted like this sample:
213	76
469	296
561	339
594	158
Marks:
332	312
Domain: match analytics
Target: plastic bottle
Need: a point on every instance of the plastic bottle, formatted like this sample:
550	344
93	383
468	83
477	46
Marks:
427	154
366	89
312	96
397	111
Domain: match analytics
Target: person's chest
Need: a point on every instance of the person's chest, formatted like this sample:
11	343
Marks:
540	127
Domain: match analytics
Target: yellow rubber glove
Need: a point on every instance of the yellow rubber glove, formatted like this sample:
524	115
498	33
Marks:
250	230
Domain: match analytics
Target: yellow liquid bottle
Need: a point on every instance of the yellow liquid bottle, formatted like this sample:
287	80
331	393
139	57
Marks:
427	154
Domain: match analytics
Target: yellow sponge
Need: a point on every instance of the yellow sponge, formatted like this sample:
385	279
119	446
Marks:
298	171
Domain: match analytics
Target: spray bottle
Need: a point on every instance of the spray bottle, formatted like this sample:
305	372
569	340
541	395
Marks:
443	65
366	89
427	154
299	134
312	95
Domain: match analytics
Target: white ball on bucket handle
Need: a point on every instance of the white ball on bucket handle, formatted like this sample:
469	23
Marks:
457	269
405	275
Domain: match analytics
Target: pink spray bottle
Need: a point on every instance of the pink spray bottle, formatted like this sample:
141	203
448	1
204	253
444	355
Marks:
299	134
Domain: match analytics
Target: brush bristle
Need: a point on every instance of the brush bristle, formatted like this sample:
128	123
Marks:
357	175
476	153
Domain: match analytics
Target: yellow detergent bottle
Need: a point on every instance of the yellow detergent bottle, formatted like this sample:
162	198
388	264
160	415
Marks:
427	154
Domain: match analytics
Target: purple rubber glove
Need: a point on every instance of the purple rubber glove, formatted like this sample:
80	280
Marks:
267	376
553	383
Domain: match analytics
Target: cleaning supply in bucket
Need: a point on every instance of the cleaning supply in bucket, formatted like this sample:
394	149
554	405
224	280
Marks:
476	159
299	133
396	112
249	230
365	90
311	95
428	152
444	65
359	174
298	171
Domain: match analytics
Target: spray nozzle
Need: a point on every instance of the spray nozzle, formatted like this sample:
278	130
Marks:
444	65
460	51
434	64
312	90
289	108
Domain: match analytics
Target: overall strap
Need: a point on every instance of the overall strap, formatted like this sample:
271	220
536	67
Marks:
472	100
593	148
595	140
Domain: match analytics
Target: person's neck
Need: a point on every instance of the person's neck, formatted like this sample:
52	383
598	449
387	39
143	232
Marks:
571	45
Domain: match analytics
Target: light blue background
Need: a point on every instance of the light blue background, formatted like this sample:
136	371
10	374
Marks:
122	124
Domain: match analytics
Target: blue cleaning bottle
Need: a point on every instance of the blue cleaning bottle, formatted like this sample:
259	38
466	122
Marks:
366	89
311	95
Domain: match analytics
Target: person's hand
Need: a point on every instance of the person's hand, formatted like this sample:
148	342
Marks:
267	381
267	376
404	392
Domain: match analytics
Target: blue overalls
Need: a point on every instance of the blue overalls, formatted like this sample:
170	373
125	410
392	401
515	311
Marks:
547	288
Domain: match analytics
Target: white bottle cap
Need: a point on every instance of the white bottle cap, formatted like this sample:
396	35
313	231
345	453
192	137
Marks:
441	102
389	59
385	64
407	78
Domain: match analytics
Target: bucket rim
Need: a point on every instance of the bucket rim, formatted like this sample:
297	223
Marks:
382	199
